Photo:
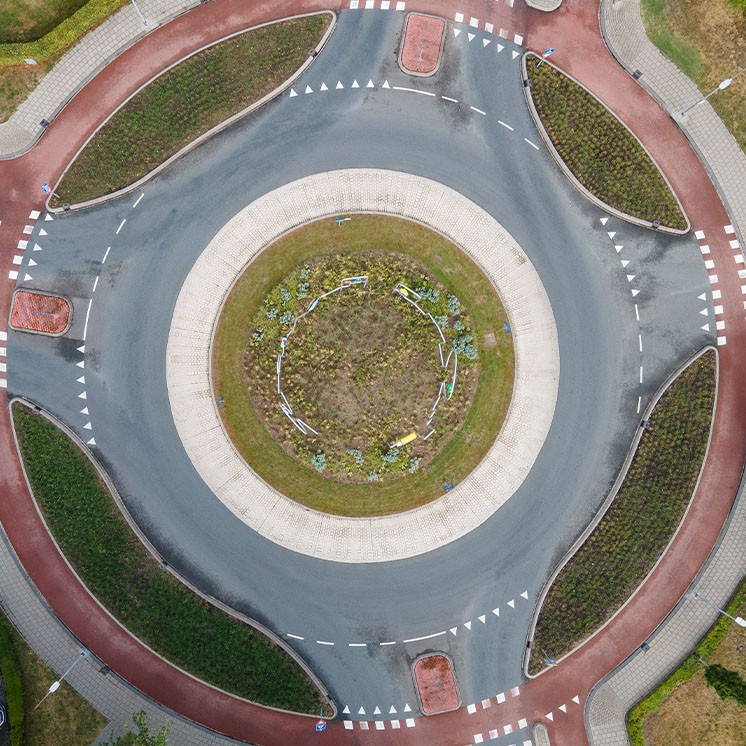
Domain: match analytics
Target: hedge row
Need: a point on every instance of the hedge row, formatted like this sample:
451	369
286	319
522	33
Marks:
62	37
13	688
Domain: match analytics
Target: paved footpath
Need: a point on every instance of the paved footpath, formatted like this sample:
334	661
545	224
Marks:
574	27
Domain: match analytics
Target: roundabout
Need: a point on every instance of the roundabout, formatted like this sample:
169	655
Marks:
359	598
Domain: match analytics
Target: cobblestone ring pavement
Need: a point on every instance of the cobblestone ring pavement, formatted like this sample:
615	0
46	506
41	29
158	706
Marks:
382	538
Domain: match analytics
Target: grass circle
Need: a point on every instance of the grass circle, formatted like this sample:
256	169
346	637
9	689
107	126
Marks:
447	266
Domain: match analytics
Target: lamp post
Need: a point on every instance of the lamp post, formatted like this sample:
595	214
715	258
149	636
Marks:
721	87
56	684
740	621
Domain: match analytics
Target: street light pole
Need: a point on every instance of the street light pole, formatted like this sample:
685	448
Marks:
721	87
740	621
139	13
56	684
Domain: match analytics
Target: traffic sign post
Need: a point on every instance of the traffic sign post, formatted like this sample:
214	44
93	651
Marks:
321	725
48	190
545	54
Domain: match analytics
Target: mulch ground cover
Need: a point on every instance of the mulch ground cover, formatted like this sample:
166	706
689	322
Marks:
599	150
185	102
643	516
152	604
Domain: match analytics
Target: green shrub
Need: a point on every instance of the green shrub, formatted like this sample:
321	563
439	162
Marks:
13	687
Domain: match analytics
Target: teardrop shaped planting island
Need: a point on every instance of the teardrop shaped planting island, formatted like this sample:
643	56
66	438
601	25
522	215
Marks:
363	367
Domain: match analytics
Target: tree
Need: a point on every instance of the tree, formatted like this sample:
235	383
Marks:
143	736
728	684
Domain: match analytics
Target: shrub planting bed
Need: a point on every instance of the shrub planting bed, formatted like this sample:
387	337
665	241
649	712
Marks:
613	561
363	368
599	150
186	101
148	601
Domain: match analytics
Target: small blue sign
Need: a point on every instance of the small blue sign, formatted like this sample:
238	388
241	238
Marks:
321	725
507	327
46	188
547	52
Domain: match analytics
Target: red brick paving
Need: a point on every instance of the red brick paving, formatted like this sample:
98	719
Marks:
39	313
435	682
422	43
574	31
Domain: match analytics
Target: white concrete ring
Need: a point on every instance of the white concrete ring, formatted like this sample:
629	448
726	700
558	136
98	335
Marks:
381	538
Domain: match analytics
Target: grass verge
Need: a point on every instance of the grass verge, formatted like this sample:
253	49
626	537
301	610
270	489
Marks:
186	101
150	603
65	718
705	39
25	20
449	266
599	150
682	709
613	561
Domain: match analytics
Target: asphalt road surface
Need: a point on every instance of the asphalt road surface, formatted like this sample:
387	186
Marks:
611	362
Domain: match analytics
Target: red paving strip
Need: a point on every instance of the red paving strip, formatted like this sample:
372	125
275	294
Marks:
436	685
421	48
574	31
39	313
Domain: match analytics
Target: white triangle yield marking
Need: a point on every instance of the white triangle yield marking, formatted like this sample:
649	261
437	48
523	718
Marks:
81	379
84	410
81	348
604	221
27	277
82	396
81	364
611	234
470	35
31	263
563	708
456	31
618	248
407	708
705	312
92	442
346	710
42	232
309	89
576	699
630	278
706	327
354	84
339	85
323	87
370	84
515	54
392	710
377	711
467	625
361	711
485	42
550	716
292	92
48	217
703	296
524	595
500	48
454	630
87	426
635	292
511	603
385	84
625	262
482	618
37	247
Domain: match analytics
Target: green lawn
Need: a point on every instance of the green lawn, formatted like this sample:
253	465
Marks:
449	266
148	601
29	20
189	99
599	150
621	550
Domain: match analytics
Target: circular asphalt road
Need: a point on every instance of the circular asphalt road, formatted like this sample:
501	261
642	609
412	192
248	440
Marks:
616	348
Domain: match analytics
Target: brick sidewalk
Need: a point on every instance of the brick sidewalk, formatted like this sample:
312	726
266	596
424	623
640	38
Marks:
610	700
624	33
